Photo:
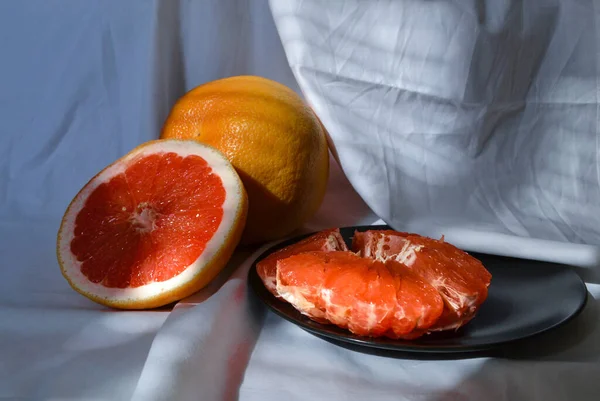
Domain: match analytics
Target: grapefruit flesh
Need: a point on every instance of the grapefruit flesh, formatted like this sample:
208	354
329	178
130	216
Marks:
461	279
393	284
154	227
366	296
326	240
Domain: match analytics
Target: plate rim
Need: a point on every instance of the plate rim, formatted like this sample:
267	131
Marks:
254	281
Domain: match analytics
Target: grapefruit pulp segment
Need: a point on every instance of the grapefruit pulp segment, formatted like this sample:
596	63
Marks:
327	240
461	280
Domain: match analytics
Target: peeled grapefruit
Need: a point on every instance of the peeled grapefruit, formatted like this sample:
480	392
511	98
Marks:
272	138
155	226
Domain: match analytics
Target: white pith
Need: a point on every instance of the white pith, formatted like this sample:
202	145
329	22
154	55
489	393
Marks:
231	213
144	220
407	255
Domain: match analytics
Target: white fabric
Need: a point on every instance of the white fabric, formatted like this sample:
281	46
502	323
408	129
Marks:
476	120
83	82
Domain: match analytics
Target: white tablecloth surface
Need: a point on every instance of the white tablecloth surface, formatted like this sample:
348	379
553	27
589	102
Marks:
83	82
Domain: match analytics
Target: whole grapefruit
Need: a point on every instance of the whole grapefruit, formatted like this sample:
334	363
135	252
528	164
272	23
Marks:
273	139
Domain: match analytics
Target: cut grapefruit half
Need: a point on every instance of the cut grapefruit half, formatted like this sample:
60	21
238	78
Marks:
154	227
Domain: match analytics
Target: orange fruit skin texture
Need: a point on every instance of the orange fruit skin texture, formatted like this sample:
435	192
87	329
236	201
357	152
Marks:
212	268
273	139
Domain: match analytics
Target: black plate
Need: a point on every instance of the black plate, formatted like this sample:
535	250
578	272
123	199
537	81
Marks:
525	298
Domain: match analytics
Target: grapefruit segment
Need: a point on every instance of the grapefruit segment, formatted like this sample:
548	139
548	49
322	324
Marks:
461	279
327	240
153	227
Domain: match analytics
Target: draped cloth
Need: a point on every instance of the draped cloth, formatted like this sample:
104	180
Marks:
473	119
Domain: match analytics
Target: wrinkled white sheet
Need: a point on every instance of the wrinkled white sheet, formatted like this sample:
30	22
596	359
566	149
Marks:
473	119
403	88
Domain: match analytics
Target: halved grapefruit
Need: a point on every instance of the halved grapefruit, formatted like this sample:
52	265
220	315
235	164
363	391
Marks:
155	226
